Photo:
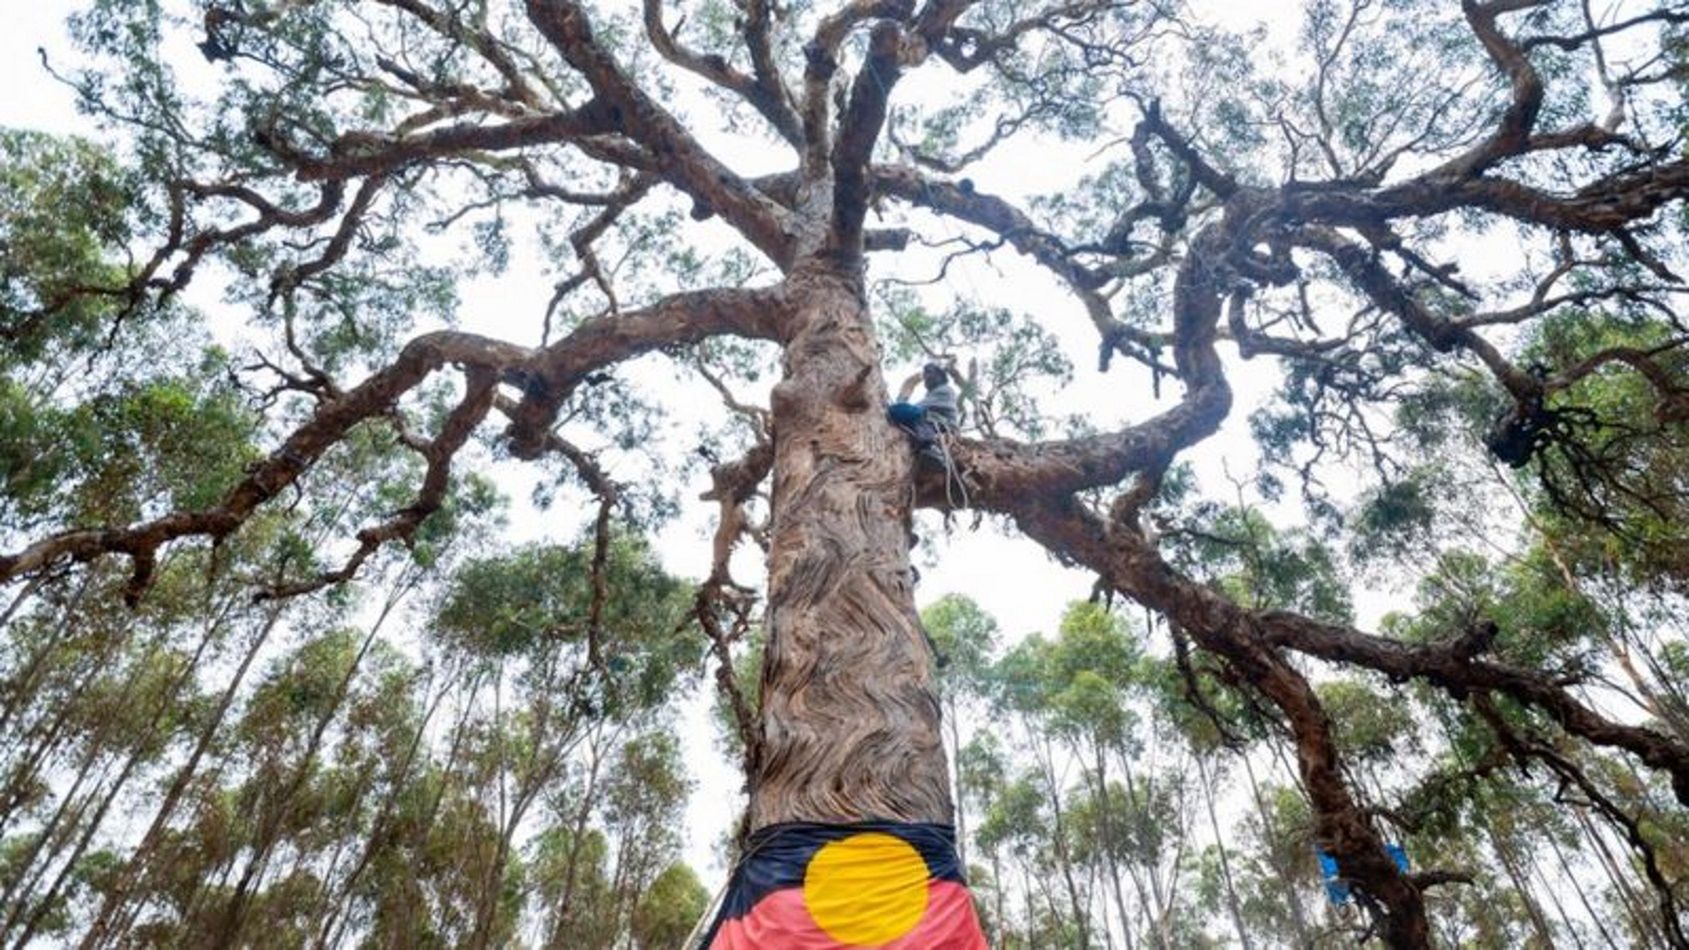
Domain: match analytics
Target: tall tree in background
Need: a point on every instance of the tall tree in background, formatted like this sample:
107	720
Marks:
1319	221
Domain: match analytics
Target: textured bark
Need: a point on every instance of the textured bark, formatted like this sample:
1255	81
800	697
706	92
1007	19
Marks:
850	713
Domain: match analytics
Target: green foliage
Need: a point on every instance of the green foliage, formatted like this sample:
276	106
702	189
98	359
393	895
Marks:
669	909
1259	566
538	599
1373	727
473	744
966	637
63	217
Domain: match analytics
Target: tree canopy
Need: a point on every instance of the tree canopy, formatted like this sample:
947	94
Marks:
266	573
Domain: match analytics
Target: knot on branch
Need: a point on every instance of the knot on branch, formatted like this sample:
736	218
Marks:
1476	641
1522	432
601	115
819	63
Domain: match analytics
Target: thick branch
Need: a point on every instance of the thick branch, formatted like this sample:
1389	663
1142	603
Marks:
859	130
764	91
330	423
546	376
1002	473
680	159
1520	116
552	374
481	385
363	153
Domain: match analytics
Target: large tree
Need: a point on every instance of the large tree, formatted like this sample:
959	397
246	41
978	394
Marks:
1317	215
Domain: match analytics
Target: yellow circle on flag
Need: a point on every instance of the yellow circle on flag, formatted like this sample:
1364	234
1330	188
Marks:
867	889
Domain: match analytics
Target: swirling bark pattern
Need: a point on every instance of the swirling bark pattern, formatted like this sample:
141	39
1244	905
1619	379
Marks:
850	712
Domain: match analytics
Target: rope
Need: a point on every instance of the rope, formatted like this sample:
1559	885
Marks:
952	477
698	929
691	941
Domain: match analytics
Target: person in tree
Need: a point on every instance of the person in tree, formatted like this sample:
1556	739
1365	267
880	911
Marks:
938	411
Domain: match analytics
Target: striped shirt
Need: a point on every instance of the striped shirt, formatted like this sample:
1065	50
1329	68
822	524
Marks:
943	406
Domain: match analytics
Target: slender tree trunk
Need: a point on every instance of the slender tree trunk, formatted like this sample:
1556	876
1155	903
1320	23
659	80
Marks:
49	838
1640	915
1110	840
1080	918
152	720
336	901
571	869
15	796
1164	918
997	894
27	591
433	811
1509	864
89	829
1583	896
1149	896
956	775
21	686
234	913
850	713
1298	921
1026	898
534	778
1225	862
140	858
1541	875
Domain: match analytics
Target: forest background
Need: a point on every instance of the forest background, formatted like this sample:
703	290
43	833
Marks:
431	754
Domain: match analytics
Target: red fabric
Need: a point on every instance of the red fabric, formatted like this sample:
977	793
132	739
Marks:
780	921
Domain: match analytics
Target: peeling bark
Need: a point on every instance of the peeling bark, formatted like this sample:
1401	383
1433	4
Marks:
850	713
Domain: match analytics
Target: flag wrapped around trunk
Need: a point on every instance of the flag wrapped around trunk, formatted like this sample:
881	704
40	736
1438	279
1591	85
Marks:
885	884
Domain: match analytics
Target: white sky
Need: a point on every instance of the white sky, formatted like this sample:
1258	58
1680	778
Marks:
1012	579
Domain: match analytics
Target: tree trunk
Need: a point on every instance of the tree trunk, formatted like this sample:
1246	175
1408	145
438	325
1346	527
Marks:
850	715
272	813
339	908
140	858
1634	904
1583	895
1287	887
89	829
1081	921
1225	861
1149	897
1532	909
1540	875
997	888
1110	842
20	687
48	838
566	905
956	778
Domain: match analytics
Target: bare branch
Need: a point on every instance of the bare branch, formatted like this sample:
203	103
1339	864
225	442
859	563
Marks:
680	159
764	91
481	384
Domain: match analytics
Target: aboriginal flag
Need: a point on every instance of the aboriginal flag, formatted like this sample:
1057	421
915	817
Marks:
885	884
